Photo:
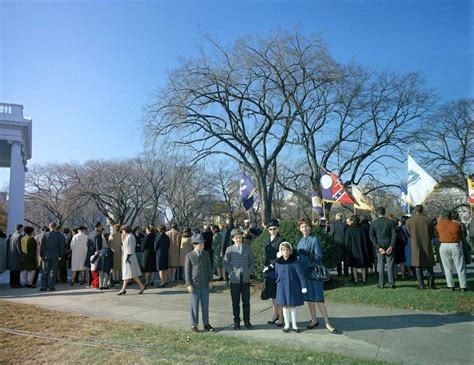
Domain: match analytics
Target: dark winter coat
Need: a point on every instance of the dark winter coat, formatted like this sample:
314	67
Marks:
272	248
290	281
357	247
400	244
338	232
105	262
382	233
162	246
149	253
226	239
207	235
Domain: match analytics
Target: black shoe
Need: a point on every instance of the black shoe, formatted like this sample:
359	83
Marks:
43	289
273	320
420	287
286	330
312	326
464	289
208	328
297	330
380	286
236	326
392	286
51	289
248	325
162	285
122	292
71	283
279	324
434	287
452	289
194	329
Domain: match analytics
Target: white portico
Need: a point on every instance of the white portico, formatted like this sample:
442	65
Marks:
15	150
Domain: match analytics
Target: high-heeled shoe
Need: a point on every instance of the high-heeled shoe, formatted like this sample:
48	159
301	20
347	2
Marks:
273	320
334	330
122	292
141	291
311	326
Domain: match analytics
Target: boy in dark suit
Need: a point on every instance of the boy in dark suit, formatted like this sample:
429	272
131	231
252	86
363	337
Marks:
198	274
239	263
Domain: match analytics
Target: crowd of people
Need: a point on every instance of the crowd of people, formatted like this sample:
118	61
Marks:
216	253
388	245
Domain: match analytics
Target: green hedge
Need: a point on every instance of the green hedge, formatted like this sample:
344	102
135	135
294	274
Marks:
289	231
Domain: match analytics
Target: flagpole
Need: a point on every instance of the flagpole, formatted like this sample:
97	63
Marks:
324	210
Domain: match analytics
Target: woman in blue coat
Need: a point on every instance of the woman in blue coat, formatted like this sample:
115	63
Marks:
310	254
291	284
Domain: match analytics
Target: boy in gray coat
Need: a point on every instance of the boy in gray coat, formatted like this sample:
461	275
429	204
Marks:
198	274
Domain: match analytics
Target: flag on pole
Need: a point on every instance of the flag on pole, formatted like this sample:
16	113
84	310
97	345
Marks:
317	203
420	184
247	189
363	202
403	199
470	186
332	188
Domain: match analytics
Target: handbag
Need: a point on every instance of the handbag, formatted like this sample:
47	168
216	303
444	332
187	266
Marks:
319	273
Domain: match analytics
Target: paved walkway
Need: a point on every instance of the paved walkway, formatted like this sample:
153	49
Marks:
376	333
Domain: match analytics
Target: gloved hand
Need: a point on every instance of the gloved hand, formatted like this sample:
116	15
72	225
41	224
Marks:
278	254
304	290
265	269
128	259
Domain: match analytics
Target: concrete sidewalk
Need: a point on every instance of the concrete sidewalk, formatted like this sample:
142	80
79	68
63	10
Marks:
367	332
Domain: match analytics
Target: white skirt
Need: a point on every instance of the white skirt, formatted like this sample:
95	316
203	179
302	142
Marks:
130	269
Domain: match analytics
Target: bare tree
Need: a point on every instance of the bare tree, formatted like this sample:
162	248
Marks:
52	194
446	141
242	102
226	186
115	187
187	196
358	128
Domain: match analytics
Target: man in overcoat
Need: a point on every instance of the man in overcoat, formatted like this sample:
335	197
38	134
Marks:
421	232
338	232
14	256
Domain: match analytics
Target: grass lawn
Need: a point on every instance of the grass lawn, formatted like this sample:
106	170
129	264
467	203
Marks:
47	336
405	296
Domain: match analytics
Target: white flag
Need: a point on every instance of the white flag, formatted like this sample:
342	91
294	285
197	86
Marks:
419	184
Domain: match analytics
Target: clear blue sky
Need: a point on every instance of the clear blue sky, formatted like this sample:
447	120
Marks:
84	69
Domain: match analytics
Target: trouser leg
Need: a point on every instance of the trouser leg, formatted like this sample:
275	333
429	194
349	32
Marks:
448	264
390	268
45	268
52	273
205	306
431	282
380	268
195	308
419	277
246	301
235	291
460	264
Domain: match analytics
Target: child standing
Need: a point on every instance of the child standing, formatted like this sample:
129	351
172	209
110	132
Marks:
291	284
198	274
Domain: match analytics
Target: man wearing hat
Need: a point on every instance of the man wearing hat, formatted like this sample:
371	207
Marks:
198	274
239	263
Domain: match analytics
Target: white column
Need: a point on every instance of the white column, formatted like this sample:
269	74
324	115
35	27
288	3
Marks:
16	195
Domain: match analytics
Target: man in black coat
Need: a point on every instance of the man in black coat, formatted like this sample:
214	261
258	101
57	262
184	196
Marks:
383	235
53	246
338	232
207	234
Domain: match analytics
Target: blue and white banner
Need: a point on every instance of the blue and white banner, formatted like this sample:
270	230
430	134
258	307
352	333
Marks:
403	199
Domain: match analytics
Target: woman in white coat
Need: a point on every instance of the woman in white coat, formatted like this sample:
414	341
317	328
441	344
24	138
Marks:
78	255
130	267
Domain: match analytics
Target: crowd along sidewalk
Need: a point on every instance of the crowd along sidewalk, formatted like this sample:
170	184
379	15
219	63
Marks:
368	332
